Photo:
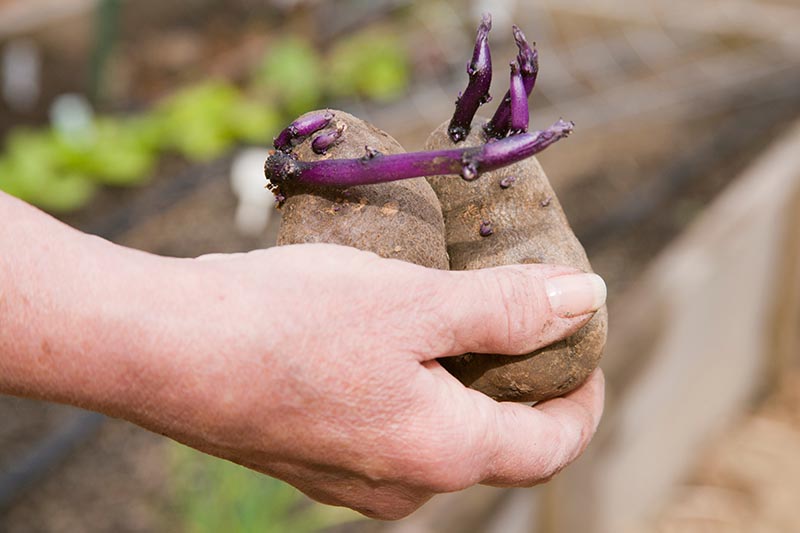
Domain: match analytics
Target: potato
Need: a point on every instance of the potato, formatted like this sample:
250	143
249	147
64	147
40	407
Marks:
399	220
528	226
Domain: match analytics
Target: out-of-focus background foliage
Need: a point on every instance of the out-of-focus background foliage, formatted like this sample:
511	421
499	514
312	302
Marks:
148	122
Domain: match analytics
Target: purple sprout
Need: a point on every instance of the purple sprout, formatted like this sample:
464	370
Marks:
528	59
519	102
508	141
300	129
507	182
325	140
281	168
477	91
486	228
370	153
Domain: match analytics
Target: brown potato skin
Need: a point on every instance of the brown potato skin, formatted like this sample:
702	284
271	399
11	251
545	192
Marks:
529	227
398	220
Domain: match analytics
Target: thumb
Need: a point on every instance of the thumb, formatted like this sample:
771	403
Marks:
514	309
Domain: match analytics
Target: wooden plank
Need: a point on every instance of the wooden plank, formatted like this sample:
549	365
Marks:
691	346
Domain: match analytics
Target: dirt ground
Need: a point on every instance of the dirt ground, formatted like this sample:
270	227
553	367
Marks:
116	482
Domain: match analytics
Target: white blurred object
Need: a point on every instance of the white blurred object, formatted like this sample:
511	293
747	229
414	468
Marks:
256	204
21	74
72	117
502	12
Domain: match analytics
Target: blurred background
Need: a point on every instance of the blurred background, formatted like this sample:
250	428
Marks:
148	123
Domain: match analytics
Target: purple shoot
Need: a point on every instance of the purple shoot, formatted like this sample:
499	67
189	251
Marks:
486	229
519	102
325	140
507	182
281	168
301	128
528	59
477	91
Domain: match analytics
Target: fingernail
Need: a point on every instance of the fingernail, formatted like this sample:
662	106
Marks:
576	294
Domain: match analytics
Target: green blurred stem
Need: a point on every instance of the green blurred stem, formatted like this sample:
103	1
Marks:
105	35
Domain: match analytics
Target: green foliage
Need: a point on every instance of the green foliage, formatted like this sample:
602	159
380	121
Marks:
213	495
253	122
204	121
195	120
30	170
291	75
370	64
118	152
60	172
66	192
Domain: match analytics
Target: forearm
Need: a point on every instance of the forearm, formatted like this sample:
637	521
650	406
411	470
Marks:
81	319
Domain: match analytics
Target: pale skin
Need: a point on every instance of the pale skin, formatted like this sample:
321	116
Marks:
314	364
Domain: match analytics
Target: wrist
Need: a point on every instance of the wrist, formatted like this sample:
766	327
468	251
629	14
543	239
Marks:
80	316
177	327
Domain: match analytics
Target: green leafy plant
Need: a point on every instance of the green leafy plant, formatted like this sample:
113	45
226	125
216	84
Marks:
30	170
118	152
213	495
194	120
60	172
291	75
370	64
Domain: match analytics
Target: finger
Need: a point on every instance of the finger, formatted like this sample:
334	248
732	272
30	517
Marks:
512	310
534	444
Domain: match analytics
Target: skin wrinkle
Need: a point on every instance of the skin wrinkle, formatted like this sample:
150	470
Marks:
522	327
437	336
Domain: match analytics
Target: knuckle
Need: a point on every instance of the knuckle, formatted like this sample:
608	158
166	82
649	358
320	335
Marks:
567	444
516	297
431	470
453	460
430	303
442	476
451	480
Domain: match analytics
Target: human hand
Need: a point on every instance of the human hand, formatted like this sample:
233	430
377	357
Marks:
313	363
316	364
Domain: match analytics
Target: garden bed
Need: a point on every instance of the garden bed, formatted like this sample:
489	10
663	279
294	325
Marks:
639	182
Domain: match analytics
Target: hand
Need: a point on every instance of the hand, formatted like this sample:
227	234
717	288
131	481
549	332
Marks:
316	364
